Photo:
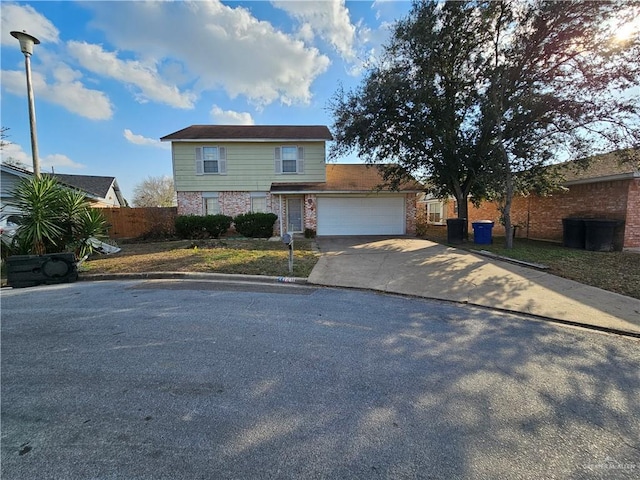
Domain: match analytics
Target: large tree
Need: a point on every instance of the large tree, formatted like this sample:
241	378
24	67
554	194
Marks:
155	192
558	84
416	111
480	96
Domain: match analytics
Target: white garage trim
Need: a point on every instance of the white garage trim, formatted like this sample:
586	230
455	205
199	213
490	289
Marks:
361	215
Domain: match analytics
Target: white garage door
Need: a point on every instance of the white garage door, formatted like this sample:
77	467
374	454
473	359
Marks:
361	216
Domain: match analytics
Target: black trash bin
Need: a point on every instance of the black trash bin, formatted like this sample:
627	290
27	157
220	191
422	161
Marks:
31	270
573	234
600	234
455	230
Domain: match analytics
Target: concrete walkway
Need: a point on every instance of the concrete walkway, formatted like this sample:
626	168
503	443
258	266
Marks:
426	269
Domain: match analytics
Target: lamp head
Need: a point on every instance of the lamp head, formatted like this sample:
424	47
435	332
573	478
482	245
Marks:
26	41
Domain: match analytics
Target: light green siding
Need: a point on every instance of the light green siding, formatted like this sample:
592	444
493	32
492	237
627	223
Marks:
250	166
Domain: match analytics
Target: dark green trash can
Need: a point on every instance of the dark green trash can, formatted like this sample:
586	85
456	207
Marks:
573	234
455	230
600	234
32	270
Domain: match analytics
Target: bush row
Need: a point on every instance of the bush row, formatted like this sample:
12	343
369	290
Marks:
254	225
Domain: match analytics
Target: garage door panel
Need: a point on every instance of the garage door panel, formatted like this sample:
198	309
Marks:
361	216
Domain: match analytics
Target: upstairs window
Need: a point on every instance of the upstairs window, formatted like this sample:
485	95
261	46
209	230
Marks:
211	160
289	160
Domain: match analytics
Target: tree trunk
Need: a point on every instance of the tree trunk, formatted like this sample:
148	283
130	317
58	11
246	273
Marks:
506	213
463	212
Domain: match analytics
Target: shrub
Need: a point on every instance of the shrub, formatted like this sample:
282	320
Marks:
255	225
421	227
55	219
309	233
216	225
198	226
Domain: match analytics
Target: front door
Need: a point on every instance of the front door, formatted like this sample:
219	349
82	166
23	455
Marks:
294	214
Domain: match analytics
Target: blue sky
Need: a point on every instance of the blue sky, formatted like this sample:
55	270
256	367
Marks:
111	78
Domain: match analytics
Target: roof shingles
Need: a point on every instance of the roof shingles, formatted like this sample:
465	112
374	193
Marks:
250	132
355	177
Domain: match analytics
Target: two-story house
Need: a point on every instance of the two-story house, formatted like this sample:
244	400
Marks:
233	169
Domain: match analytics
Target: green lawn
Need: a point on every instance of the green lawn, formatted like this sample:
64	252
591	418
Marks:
239	256
614	271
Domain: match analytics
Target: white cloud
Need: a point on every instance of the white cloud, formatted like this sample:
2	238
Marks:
145	141
229	117
14	152
65	91
24	17
58	160
218	47
328	18
131	72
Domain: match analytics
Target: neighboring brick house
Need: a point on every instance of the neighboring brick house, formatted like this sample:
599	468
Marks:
233	169
606	189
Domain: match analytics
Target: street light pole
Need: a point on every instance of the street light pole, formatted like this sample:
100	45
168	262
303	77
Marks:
26	46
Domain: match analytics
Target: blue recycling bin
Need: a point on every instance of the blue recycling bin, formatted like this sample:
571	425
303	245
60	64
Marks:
482	231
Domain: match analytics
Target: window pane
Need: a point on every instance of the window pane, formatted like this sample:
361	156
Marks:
434	212
211	206
210	153
289	153
289	166
259	204
210	166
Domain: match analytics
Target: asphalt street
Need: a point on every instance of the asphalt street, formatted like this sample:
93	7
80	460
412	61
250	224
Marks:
205	380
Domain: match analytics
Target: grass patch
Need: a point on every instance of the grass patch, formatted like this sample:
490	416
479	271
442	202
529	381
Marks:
246	257
617	272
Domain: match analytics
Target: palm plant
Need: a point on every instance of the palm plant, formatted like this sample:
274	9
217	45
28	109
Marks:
56	219
39	200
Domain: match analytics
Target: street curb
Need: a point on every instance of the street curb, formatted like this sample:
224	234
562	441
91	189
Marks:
304	281
559	321
191	276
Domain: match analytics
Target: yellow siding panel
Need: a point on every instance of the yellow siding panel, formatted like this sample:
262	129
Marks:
250	167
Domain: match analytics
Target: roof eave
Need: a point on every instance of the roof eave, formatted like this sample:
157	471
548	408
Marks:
242	140
343	192
607	178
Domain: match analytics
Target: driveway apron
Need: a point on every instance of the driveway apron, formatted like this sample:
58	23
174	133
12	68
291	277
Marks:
410	266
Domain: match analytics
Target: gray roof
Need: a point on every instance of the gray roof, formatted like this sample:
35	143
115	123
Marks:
250	132
98	186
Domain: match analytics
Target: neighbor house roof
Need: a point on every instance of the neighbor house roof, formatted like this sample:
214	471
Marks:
14	169
346	178
95	185
235	133
606	167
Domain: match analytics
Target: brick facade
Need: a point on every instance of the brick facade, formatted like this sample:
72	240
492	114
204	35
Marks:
632	222
541	217
311	212
411	213
235	203
190	203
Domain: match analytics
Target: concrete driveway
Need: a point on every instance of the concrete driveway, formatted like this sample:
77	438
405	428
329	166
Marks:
410	266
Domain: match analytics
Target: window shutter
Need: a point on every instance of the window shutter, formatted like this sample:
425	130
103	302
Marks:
199	161
222	160
278	160
300	160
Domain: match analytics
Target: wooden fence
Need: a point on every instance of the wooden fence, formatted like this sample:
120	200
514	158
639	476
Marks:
139	222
